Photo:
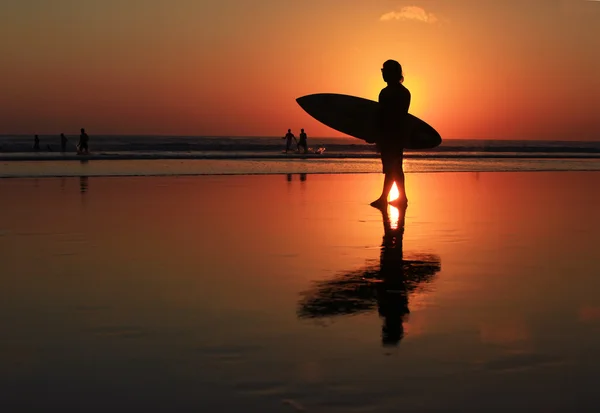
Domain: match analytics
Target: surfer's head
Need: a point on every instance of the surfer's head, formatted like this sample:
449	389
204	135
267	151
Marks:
289	130
301	130
392	72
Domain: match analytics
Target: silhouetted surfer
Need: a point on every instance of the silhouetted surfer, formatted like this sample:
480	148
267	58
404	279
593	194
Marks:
288	140
82	146
63	142
394	101
36	143
303	142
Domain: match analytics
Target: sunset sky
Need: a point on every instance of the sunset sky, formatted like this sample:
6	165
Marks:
514	69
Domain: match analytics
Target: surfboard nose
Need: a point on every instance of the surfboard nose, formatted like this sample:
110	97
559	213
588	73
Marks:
304	101
316	102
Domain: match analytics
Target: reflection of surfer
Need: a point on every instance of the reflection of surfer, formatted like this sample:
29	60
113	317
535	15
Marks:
386	286
288	137
394	101
392	292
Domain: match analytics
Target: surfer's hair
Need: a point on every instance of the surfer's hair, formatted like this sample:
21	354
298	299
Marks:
393	70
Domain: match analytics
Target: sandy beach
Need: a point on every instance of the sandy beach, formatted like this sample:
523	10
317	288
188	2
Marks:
273	294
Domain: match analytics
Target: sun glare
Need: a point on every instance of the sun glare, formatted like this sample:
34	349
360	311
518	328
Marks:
393	212
394	193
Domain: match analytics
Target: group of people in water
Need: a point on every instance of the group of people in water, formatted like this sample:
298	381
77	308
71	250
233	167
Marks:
82	146
302	143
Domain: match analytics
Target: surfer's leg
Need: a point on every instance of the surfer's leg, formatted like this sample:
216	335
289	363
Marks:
388	182
402	199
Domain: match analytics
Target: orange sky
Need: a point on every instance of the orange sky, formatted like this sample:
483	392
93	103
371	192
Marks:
476	69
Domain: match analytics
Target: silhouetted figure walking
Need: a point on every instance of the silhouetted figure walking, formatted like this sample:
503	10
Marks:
288	137
36	143
82	146
394	101
63	142
303	141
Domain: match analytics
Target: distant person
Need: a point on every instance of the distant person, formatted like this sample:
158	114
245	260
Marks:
36	143
394	101
82	146
288	137
303	143
63	142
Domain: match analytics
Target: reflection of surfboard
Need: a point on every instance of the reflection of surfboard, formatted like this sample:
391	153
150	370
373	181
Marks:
357	117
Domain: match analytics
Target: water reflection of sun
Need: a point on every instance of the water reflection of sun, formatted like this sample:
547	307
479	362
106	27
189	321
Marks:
393	212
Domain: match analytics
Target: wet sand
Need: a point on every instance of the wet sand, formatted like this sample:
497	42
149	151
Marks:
294	164
289	293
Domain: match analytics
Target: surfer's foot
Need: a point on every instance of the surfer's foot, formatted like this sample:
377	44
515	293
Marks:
380	203
399	202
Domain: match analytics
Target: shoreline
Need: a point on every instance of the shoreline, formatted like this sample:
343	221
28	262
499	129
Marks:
233	155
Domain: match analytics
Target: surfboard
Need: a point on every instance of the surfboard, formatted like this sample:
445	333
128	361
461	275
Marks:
357	117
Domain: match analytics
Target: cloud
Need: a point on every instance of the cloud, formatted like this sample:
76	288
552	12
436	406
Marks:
410	13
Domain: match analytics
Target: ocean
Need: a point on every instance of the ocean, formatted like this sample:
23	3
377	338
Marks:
120	155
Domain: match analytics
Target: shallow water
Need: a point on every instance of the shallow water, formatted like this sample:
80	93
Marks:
279	294
265	166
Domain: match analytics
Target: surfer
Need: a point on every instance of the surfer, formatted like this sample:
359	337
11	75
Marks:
303	143
82	146
63	142
394	101
288	137
36	143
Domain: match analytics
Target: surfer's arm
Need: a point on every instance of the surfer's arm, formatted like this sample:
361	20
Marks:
383	114
406	102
